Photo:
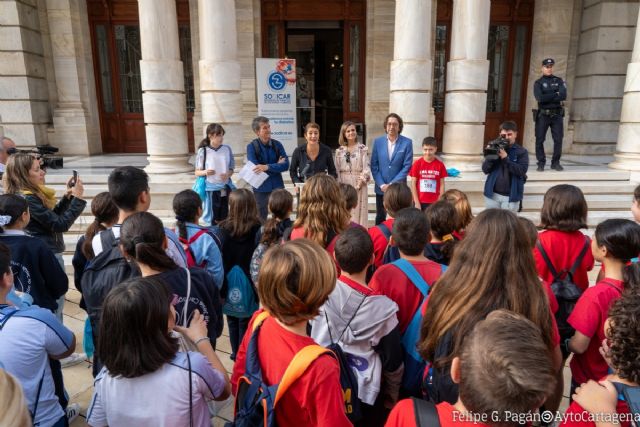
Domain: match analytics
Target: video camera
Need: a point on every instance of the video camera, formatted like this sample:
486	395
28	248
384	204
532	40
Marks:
491	149
44	153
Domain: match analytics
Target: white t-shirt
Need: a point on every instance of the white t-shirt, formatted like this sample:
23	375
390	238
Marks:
220	160
26	341
159	399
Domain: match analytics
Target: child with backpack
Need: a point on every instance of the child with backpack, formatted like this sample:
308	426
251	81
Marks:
364	326
427	175
615	242
199	244
239	234
213	154
280	206
407	281
495	344
146	380
299	380
442	223
464	216
620	347
397	197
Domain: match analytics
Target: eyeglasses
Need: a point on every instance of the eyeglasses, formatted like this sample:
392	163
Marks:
175	299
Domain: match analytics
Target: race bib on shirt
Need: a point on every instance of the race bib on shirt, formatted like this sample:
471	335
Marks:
428	185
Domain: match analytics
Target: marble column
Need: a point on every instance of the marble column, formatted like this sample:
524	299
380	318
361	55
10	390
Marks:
627	155
411	69
163	97
220	70
465	104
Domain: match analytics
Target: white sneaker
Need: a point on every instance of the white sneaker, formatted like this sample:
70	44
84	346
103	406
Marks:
73	359
73	410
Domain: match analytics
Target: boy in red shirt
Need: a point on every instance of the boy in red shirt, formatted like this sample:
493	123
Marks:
295	280
526	376
410	234
427	175
396	197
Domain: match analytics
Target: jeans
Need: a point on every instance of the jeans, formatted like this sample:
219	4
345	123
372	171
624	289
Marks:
498	201
60	301
381	213
262	200
237	328
215	207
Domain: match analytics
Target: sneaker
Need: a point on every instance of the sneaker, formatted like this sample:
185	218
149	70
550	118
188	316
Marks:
557	167
73	410
540	168
73	360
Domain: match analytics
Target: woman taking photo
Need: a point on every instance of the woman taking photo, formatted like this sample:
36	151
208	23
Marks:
312	158
352	165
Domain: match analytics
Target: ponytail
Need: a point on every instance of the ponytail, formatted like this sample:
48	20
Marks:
12	207
106	214
186	205
631	276
149	254
142	237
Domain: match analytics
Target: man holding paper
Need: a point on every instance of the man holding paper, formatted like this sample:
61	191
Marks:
269	157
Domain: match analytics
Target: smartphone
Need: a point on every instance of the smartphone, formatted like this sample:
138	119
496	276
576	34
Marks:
74	179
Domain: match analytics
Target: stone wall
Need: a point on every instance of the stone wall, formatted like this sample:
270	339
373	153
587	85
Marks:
606	39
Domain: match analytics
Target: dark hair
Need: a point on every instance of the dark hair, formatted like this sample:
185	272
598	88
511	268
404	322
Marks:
353	250
5	258
133	337
623	335
280	205
530	230
243	213
257	122
141	237
442	219
398	196
621	237
564	208
212	129
126	183
410	231
14	206
636	194
509	125
429	141
397	117
350	195
105	212
185	205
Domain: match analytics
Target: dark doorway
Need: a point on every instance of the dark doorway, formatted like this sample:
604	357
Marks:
319	61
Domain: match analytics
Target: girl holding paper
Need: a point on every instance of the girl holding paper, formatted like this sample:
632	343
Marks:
215	161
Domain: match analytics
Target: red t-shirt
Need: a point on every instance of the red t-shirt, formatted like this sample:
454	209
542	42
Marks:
576	416
315	399
563	247
588	318
428	177
388	280
379	241
403	415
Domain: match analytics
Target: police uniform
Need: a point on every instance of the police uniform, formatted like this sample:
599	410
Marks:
550	92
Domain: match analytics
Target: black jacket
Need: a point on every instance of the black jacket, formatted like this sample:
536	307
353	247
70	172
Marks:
302	168
550	91
36	270
49	224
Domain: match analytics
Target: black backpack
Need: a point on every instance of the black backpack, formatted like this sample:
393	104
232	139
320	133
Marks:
108	269
426	413
566	293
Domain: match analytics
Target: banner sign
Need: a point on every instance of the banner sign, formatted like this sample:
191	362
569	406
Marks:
276	86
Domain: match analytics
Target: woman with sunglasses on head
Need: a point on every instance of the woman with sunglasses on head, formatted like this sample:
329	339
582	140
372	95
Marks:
352	166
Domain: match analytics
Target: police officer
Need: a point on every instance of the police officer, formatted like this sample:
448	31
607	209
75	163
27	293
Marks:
550	91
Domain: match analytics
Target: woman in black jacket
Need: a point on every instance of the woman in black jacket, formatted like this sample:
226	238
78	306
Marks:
311	158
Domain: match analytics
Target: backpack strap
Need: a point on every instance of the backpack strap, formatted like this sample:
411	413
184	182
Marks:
108	239
261	317
384	230
413	275
426	413
581	255
355	311
547	261
256	149
7	312
297	367
194	237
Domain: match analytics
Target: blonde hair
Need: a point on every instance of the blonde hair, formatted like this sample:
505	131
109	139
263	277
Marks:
296	278
16	176
321	209
13	405
342	139
461	203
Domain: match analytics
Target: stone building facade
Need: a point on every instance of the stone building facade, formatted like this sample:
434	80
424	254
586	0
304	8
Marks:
94	76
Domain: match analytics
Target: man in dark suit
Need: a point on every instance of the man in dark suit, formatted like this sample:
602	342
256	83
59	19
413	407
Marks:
391	160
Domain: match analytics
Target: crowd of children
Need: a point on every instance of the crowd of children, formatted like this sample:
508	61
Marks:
434	317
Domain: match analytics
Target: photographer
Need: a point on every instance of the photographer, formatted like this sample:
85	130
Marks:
506	163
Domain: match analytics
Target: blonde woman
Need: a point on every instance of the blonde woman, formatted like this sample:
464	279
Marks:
13	405
352	166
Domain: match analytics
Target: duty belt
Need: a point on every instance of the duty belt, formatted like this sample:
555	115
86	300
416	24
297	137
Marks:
551	111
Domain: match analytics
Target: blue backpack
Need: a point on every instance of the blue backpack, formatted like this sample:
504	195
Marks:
414	364
391	253
241	298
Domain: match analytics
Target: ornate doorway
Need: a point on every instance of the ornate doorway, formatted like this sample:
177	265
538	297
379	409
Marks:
115	37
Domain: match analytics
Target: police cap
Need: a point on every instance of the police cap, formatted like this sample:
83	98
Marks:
548	61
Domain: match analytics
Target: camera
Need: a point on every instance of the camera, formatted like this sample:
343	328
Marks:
44	153
491	149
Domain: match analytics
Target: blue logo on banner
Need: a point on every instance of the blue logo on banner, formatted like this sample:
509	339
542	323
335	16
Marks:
276	80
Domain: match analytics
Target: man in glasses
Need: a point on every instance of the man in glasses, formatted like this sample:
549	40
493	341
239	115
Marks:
550	92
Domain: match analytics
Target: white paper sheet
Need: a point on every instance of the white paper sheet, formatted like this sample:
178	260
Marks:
253	178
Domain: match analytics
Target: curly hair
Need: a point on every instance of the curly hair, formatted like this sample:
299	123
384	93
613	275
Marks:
321	209
623	335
